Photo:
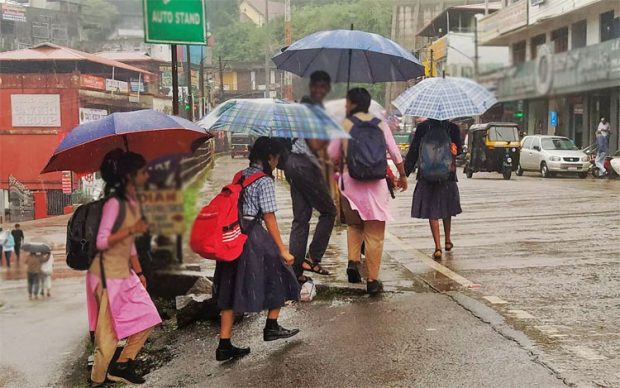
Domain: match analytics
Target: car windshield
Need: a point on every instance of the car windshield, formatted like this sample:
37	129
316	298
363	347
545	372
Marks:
401	138
498	133
558	143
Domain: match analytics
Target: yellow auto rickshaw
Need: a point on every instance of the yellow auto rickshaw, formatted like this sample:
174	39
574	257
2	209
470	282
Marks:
492	147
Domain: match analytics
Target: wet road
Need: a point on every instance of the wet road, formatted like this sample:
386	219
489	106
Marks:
545	254
536	259
38	338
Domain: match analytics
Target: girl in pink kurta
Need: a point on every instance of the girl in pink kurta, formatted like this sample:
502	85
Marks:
365	204
118	304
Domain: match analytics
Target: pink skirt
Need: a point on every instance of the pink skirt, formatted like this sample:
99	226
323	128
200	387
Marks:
370	198
131	306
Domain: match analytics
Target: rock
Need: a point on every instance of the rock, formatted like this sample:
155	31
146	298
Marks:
174	282
195	307
202	286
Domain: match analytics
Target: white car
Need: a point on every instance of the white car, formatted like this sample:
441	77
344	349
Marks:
551	155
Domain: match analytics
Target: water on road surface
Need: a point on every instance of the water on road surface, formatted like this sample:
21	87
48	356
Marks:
528	297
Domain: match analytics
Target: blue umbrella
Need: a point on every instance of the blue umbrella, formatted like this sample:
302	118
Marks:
444	98
147	132
350	56
274	118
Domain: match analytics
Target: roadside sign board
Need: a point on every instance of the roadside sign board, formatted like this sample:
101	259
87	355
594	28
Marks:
163	210
553	118
175	21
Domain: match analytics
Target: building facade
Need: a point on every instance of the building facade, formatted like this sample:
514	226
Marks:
564	72
44	93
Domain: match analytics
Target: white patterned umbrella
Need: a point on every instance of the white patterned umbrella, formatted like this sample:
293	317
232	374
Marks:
444	98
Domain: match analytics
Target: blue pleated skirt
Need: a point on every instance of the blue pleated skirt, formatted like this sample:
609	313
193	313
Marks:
258	280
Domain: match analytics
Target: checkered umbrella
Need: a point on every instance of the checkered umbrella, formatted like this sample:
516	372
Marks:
444	98
273	118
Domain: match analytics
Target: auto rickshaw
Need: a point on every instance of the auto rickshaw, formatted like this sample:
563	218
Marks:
492	147
240	145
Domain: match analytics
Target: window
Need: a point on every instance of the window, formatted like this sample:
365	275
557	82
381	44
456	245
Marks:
607	26
560	40
579	33
7	27
536	42
518	52
503	133
558	143
527	143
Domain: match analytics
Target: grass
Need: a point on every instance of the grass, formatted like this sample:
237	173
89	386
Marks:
190	198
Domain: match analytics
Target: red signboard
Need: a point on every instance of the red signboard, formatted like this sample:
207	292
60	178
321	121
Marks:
92	82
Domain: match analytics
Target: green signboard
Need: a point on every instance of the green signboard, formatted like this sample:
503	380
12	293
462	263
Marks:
175	21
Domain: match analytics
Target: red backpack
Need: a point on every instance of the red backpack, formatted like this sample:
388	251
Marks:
216	233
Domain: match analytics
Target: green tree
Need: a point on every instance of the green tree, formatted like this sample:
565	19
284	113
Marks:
98	18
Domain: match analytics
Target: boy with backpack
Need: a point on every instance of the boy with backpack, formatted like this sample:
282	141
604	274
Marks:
365	195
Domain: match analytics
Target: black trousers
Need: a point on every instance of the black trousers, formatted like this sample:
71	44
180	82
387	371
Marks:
308	191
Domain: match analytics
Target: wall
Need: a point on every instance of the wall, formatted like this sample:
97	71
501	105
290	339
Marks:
24	151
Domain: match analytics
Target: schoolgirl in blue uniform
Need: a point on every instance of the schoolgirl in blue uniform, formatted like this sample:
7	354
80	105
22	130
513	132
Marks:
262	277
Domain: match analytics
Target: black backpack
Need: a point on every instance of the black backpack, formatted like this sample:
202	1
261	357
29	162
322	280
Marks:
366	152
82	232
435	159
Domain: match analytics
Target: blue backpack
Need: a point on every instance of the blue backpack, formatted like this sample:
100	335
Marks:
435	159
366	152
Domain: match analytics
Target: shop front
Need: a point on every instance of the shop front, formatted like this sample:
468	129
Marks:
566	93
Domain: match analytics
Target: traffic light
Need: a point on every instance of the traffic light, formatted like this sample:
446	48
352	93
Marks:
519	115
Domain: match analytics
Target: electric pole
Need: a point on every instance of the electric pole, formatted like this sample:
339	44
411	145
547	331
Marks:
267	56
288	39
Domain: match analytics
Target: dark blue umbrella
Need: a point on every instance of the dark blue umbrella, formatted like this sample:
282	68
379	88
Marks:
147	132
349	56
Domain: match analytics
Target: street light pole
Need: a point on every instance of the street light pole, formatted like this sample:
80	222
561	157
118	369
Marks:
266	26
476	58
221	79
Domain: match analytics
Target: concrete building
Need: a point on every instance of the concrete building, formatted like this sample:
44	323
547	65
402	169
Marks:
45	92
24	26
451	44
565	65
408	18
254	11
246	80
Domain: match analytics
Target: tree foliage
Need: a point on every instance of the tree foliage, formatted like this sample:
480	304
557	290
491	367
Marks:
244	41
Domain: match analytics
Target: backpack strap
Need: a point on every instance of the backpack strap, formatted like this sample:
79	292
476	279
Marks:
376	121
252	178
354	119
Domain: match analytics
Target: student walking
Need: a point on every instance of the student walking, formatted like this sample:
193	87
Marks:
365	196
33	273
118	303
8	247
436	199
261	278
45	276
18	236
309	191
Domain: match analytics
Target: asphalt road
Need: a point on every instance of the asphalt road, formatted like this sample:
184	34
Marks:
535	259
529	297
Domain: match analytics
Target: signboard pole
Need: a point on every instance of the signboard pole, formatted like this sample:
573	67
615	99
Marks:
175	81
190	95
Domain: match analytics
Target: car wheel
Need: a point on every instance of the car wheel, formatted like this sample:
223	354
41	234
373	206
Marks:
519	171
583	175
544	170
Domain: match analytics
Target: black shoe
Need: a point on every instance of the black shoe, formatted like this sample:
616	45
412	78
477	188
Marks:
278	333
375	287
230	353
353	272
123	372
